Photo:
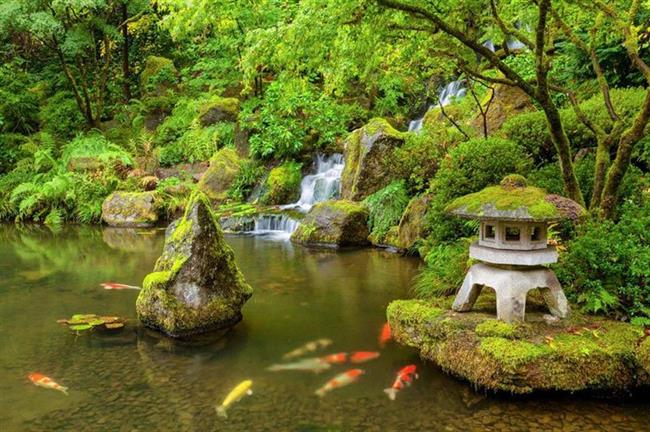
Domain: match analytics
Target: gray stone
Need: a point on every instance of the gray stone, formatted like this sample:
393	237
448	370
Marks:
130	209
511	286
513	257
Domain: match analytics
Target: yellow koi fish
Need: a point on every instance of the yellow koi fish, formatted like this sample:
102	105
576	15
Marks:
242	389
309	347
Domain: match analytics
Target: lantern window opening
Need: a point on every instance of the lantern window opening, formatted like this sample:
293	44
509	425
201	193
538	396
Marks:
489	232
513	234
536	233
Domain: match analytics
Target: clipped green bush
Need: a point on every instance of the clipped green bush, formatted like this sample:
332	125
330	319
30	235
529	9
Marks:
606	268
470	167
385	208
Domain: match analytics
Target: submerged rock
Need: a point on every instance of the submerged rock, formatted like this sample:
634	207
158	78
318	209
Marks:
334	224
196	286
130	209
367	165
224	167
580	353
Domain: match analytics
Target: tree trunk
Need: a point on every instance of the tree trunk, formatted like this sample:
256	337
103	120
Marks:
126	73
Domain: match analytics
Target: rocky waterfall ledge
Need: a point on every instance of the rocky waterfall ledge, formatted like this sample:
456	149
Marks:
196	286
581	353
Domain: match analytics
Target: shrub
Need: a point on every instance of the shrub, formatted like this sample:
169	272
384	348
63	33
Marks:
606	268
10	150
470	167
386	207
93	147
446	265
60	116
249	175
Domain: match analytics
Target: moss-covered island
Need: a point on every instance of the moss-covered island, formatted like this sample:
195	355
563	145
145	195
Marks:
577	354
195	286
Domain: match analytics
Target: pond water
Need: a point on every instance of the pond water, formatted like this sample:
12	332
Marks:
136	381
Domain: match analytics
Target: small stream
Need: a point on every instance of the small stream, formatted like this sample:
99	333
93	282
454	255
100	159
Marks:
137	380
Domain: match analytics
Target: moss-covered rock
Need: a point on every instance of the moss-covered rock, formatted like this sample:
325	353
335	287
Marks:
195	286
131	209
643	354
582	353
282	186
218	110
367	161
412	225
158	76
334	224
224	167
505	103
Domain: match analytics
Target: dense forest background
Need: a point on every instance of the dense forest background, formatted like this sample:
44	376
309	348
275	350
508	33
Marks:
105	95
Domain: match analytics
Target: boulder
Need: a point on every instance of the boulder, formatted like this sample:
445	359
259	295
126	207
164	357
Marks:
224	168
334	224
219	110
413	224
159	76
130	209
507	102
282	186
367	161
196	286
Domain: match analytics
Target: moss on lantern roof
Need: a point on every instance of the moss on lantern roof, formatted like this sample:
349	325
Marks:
514	200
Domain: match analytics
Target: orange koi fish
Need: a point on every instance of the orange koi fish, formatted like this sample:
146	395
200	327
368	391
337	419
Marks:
405	377
385	335
46	382
335	358
363	356
340	380
118	286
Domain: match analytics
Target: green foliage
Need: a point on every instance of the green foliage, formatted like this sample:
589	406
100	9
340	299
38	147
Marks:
282	186
470	167
96	147
250	173
446	265
293	114
60	116
18	101
385	208
606	268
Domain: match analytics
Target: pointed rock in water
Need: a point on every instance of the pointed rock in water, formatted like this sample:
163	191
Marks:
196	286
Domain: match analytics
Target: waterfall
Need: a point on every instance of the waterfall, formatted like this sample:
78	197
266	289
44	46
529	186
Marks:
514	44
275	226
323	185
452	91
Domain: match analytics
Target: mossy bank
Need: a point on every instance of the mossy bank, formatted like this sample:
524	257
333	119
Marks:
578	354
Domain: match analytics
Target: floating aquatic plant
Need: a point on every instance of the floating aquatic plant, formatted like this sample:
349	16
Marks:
84	322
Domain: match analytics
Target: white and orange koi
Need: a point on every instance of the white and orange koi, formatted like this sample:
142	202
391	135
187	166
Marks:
309	347
335	358
363	356
340	380
315	364
118	286
46	382
405	377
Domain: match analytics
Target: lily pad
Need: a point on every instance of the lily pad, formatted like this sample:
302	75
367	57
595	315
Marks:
96	322
81	327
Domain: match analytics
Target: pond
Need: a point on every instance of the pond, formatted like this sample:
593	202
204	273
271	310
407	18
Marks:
137	381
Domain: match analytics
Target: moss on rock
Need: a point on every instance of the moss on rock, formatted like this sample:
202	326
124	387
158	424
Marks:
581	353
219	109
224	168
334	224
158	76
282	186
366	159
413	224
195	286
131	209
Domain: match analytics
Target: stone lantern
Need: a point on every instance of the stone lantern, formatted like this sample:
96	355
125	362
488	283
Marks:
512	247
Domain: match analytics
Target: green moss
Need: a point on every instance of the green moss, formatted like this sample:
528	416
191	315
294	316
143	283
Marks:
415	311
335	224
496	328
158	72
224	167
282	186
532	199
218	109
512	353
378	124
643	354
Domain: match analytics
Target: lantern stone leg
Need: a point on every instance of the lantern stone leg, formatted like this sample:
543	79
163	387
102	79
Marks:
511	286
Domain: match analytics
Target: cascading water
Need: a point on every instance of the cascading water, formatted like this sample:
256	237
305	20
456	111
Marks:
452	91
325	184
275	226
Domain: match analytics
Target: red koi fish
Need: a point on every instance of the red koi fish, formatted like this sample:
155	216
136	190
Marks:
405	377
385	335
46	382
118	286
341	380
363	356
335	358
